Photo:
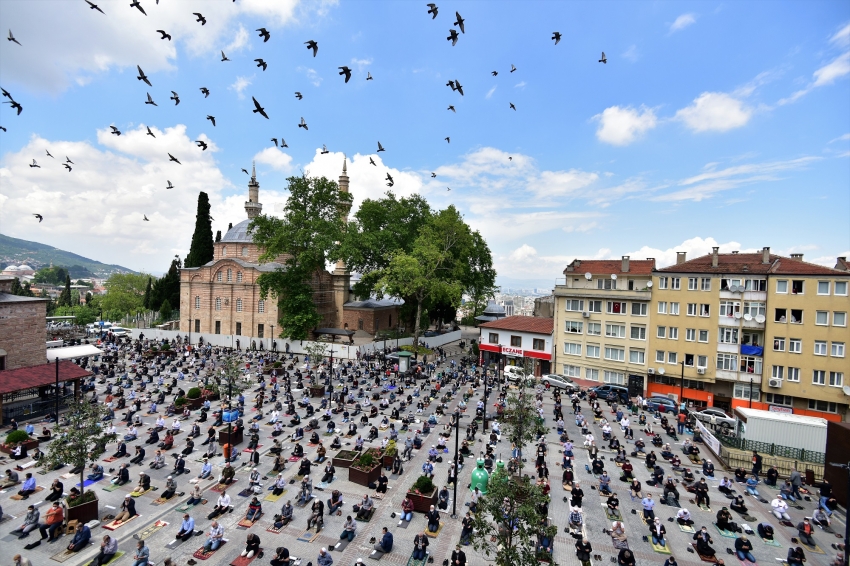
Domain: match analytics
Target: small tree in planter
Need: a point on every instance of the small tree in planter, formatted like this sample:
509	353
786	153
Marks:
193	397
82	441
390	452
423	493
16	437
366	469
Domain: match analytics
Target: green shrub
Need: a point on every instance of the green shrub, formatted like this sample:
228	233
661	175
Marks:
17	436
391	449
180	401
86	497
193	393
423	485
366	461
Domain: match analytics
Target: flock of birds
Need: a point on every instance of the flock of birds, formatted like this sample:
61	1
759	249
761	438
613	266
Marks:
312	45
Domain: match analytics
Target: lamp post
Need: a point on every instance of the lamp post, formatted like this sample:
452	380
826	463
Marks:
57	389
845	467
457	443
273	345
189	340
682	389
751	393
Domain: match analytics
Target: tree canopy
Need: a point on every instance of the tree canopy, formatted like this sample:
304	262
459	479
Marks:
125	293
51	275
201	250
166	287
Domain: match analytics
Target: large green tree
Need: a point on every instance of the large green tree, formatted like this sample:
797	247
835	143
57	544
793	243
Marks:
64	299
309	235
201	250
51	275
166	287
146	301
125	294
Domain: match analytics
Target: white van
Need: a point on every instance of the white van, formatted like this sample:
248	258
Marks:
120	332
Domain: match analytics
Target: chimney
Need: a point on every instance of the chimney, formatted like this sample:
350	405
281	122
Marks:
625	268
681	257
841	263
714	258
735	252
765	255
798	257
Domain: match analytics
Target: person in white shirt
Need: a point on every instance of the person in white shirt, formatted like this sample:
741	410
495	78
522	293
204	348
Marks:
160	422
176	424
780	509
222	506
588	440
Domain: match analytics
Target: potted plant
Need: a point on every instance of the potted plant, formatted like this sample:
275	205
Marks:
16	437
423	493
390	452
180	401
317	391
345	458
193	398
367	468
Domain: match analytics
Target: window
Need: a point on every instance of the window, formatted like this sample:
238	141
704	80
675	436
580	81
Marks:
261	329
727	335
779	344
594	306
727	362
705	284
776	399
538	344
823	287
793	374
218	327
592	350
754	309
662	307
819	377
796	316
218	303
238	305
659	356
725	284
839	319
837	349
674	308
572	371
516	341
229	275
615	377
223	251
836	379
615	330
591	374
841	288
797	287
675	283
729	308
782	286
662	282
702	361
755	285
218	276
745	391
703	336
637	357
616	308
822	318
689	360
672	358
197	302
594	329
823	406
692	283
245	254
749	338
239	329
575	305
673	333
606	284
638	332
573	326
751	364
493	338
572	348
661	332
704	310
692	309
615	354
780	315
638	309
261	306
690	334
795	345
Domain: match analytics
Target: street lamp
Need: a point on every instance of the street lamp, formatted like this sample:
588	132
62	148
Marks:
682	389
751	393
845	467
457	443
189	340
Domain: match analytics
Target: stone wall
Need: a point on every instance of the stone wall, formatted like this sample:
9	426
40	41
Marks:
373	320
23	332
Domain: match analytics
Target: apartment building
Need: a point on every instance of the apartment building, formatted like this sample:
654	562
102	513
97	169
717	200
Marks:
602	321
753	329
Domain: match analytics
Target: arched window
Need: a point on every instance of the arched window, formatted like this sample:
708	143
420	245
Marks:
197	302
223	251
239	277
218	276
238	305
218	303
261	306
229	275
244	251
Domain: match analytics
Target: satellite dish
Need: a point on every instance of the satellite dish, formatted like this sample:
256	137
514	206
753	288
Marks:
649	284
748	317
661	371
588	276
760	318
614	276
739	288
847	390
738	315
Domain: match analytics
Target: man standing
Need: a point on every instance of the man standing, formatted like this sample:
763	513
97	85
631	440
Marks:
756	464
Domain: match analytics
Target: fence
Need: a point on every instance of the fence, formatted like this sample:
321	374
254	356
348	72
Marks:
766	448
739	458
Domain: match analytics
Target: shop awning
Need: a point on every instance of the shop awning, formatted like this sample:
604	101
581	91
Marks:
71	352
13	380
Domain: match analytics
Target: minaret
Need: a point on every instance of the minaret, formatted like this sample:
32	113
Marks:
341	274
253	207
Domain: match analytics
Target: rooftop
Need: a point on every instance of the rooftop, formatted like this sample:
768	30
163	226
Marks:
611	266
374	303
761	263
37	376
8	298
533	324
238	234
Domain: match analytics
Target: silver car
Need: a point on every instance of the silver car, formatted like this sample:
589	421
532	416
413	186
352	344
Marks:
716	416
560	381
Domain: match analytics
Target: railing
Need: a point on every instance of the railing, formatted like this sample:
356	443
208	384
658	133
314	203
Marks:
766	448
735	458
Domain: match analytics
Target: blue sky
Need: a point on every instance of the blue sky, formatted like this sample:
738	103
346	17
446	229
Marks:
712	123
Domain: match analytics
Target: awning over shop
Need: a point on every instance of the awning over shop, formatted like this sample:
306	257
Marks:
71	352
36	376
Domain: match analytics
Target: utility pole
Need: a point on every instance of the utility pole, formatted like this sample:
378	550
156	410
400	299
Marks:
457	443
846	468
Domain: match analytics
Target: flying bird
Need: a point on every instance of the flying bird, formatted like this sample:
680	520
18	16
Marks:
448	188
372	161
452	108
432	9
259	109
452	37
115	131
245	171
202	144
275	142
48	154
264	34
512	106
345	71
34	164
604	59
433	175
283	143
211	119
368	76
165	35
494	73
380	147
3	128
312	45
145	217
94	7
261	63
448	140
174	159
206	91
451	84
224	57
175	98
303	124
142	76
459	22
68	160
201	18
458	87
6	93
510	158
298	95
150	100
557	37
66	166
135	4
150	133
12	38
324	149
16	105
390	179
170	186
513	68
39	216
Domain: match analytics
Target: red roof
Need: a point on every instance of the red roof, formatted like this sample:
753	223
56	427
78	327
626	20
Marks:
611	266
751	264
533	324
37	376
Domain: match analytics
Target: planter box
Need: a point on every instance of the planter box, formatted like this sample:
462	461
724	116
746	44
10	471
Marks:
345	458
28	445
422	503
317	391
194	403
84	512
388	460
365	477
224	438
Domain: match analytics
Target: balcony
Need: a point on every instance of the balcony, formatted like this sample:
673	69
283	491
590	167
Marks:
614	294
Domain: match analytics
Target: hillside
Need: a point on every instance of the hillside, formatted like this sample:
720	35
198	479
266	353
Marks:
14	251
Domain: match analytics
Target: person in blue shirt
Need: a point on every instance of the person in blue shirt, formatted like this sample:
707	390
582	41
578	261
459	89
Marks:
29	428
28	488
142	554
96	472
428	469
206	470
386	543
81	539
187	528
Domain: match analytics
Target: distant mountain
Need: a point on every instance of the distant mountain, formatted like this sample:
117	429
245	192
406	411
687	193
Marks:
14	251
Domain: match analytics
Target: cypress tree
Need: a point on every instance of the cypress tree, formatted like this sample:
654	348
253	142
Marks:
65	296
147	299
201	250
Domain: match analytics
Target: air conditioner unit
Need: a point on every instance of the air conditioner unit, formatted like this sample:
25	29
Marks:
775	383
650	371
585	314
701	371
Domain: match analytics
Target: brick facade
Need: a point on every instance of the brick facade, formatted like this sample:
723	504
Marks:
370	320
23	330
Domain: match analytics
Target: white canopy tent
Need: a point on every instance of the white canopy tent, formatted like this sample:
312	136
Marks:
71	352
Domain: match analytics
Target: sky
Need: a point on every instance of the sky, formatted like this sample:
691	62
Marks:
710	124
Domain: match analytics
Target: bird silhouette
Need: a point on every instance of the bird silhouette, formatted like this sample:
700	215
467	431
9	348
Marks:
390	179
205	91
604	59
380	147
40	217
135	4
68	160
345	71
512	106
115	131
6	93
175	98
513	68
494	73
48	154
16	105
174	159
510	158
145	217
261	63
459	22
368	76
224	57
432	9
264	34
35	164
283	143
164	34
452	37
448	189
150	133
452	108
142	76
298	95
557	37
150	100
458	87
259	109
451	84
245	171
202	144
312	45
211	119
93	6
201	18
303	124
66	166
275	141
170	186
448	139
372	161
12	38
433	175
324	149
3	128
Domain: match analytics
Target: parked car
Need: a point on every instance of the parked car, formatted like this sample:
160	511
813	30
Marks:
514	373
603	390
557	380
119	332
718	416
662	405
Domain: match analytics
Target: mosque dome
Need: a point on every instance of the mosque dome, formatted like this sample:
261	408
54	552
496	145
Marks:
24	267
239	233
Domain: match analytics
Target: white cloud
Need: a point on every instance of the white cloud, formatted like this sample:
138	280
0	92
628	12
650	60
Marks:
490	92
520	84
844	137
312	75
714	112
842	37
631	54
562	183
622	126
835	69
240	85
695	247
240	40
275	158
682	22
361	64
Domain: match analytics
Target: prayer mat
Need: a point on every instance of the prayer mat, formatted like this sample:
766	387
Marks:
429	534
200	554
140	493
219	487
64	555
68	476
184	508
770	542
87	483
247	523
250	451
244	560
294	458
245	492
308	536
723	533
787	524
272	529
705	507
816	549
368	516
110	459
149	531
620	544
272	497
116	525
660	549
376	555
747	563
111	487
711	559
161	500
20	497
340	546
567	487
